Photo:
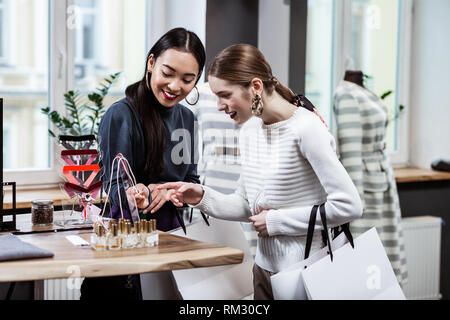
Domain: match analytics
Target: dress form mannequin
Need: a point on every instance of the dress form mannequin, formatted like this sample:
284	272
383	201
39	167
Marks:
361	126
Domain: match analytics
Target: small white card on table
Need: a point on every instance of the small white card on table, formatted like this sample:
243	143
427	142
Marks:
77	241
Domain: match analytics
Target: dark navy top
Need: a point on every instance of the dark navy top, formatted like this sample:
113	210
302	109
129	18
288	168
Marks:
121	131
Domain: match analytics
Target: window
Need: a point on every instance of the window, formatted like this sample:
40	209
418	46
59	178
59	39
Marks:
56	46
374	50
86	36
24	85
110	37
51	58
319	56
3	24
372	35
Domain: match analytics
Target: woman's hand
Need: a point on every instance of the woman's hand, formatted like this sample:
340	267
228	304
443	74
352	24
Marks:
158	198
182	192
259	222
141	196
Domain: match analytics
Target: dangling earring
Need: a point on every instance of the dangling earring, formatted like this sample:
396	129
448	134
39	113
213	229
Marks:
257	106
198	97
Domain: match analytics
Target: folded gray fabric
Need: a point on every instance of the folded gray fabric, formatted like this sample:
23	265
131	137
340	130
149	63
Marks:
12	248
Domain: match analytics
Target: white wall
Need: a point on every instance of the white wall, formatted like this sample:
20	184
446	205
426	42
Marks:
430	83
273	36
169	14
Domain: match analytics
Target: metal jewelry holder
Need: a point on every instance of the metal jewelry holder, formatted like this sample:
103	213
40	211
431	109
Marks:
6	226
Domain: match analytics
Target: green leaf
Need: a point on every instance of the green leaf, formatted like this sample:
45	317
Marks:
50	132
386	94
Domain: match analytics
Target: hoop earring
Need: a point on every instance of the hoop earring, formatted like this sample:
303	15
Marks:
146	80
198	98
257	106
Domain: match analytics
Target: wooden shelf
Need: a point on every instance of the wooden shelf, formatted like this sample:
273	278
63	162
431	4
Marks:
404	175
24	197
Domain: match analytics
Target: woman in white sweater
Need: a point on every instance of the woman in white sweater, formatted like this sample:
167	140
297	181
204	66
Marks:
289	164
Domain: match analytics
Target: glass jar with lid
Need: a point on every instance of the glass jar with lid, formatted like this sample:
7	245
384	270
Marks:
42	212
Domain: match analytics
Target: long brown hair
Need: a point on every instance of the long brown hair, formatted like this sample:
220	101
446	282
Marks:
241	63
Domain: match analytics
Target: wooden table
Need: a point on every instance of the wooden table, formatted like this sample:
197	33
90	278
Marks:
404	175
174	252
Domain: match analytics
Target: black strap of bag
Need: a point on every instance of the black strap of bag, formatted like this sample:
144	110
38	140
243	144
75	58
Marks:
309	235
325	235
323	217
346	229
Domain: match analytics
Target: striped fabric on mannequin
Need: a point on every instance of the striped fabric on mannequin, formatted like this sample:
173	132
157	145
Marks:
360	132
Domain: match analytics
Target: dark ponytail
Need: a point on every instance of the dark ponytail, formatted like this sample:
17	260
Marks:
145	103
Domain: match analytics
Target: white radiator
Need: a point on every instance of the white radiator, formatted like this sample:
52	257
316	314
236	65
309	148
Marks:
423	254
62	289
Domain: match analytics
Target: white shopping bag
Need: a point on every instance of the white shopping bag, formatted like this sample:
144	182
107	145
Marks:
360	273
288	284
229	282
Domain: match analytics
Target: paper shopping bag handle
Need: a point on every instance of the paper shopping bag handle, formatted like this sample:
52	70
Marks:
312	221
309	235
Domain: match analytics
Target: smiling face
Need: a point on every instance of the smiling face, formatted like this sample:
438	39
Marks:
173	76
234	99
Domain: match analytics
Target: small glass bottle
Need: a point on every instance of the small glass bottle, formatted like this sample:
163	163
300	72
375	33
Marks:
152	233
155	232
94	236
113	239
100	244
122	236
143	234
130	240
110	224
137	234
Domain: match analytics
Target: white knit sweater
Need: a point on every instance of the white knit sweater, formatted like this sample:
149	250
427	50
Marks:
287	168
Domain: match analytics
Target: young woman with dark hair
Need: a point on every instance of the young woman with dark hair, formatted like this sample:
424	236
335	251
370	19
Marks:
141	127
289	164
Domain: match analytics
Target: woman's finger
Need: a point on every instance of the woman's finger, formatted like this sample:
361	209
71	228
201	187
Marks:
155	193
155	202
184	188
169	194
170	185
160	204
176	201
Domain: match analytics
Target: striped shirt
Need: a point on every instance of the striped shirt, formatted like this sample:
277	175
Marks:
287	168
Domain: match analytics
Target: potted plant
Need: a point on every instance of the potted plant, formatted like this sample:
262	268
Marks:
81	118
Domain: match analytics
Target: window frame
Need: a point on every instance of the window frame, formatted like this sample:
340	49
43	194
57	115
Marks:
58	75
79	58
342	46
61	78
5	21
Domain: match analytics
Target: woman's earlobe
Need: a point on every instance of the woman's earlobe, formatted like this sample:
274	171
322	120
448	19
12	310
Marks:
150	64
257	86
